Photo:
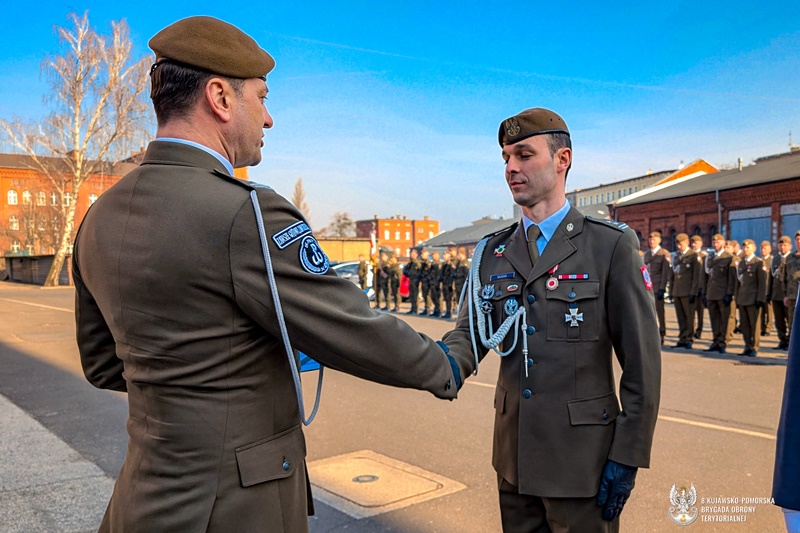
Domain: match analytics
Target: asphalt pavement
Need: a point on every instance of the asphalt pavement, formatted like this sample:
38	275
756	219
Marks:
62	441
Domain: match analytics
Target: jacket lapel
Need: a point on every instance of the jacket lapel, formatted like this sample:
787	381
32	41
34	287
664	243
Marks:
517	250
559	247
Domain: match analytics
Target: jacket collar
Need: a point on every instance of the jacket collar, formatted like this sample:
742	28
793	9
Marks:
170	153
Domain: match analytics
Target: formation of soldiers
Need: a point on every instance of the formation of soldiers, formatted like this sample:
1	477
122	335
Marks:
729	279
434	280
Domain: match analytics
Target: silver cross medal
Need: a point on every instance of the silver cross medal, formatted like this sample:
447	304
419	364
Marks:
573	317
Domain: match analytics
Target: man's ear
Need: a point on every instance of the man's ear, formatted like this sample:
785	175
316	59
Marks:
218	93
563	159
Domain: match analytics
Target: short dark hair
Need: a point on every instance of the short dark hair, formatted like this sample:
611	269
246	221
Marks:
557	141
175	88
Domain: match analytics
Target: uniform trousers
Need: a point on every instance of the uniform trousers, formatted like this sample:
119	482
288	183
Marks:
447	295
662	328
384	290
522	513
718	313
751	328
685	314
766	319
731	322
780	314
699	311
413	294
426	289
436	297
395	293
459	290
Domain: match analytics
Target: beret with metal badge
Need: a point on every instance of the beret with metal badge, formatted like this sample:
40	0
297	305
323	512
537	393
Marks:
535	121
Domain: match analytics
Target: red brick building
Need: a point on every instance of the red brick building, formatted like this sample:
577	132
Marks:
398	233
759	201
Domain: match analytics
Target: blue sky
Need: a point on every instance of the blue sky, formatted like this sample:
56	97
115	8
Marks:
393	107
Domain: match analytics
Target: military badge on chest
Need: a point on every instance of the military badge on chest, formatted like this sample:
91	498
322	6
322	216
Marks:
573	317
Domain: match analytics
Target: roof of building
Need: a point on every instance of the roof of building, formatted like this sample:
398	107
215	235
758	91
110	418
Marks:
468	234
58	164
655	176
764	170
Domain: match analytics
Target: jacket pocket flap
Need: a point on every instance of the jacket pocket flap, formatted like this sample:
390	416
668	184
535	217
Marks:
571	291
272	458
600	410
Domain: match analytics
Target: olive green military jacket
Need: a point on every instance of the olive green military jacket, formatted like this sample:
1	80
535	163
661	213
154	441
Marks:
173	306
752	285
776	292
687	271
720	276
556	427
659	268
790	275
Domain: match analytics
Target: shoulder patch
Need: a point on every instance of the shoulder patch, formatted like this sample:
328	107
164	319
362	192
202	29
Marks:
291	234
312	258
620	226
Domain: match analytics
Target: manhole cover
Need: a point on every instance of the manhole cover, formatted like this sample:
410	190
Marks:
366	483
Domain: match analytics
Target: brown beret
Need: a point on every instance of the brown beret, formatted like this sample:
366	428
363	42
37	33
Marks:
697	238
718	237
682	237
785	239
213	45
528	123
655	234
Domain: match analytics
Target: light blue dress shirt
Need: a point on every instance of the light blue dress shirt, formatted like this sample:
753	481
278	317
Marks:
547	227
216	154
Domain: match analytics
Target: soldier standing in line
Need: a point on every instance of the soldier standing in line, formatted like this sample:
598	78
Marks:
448	277
383	281
732	247
777	293
791	278
699	309
720	287
425	280
462	271
376	279
751	295
435	276
765	315
684	289
657	261
412	270
363	272
395	273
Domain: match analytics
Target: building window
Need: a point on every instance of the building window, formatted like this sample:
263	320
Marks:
41	198
397	235
636	189
408	238
29	249
53	198
67	198
430	235
13	223
13	199
612	195
386	234
15	247
26	197
92	198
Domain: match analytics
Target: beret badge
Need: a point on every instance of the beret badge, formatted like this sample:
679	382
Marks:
512	127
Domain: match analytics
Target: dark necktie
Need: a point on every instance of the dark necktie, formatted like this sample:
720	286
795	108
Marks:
533	250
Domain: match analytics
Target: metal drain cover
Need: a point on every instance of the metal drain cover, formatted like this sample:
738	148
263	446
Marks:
366	483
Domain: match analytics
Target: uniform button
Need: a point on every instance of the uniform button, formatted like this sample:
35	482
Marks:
530	362
531	330
527	393
286	466
572	295
531	298
605	416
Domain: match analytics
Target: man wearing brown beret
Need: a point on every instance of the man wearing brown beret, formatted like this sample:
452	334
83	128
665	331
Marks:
656	259
777	294
195	289
554	294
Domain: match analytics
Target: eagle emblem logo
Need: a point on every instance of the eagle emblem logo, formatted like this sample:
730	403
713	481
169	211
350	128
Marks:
682	512
512	127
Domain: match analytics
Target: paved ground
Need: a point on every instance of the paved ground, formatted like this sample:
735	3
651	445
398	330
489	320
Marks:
62	441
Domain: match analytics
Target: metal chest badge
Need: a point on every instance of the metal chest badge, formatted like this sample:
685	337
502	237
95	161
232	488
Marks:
486	307
573	317
552	282
511	306
487	292
499	250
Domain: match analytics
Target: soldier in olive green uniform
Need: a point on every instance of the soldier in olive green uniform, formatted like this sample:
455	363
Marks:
765	315
363	273
202	336
656	259
425	280
412	271
555	299
720	287
790	277
699	308
777	293
685	285
435	277
461	273
395	273
732	247
448	278
381	275
751	295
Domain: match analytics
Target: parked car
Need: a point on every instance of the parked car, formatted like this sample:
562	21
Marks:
349	270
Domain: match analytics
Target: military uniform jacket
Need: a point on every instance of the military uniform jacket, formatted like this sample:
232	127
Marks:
435	273
448	274
556	428
776	287
462	270
659	268
686	278
721	276
413	270
752	286
173	306
790	275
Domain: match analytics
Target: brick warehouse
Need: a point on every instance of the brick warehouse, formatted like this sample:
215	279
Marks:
759	201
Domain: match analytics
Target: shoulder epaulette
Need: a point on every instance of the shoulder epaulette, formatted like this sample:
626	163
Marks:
250	185
619	226
501	231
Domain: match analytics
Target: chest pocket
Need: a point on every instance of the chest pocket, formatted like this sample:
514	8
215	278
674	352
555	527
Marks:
502	299
573	312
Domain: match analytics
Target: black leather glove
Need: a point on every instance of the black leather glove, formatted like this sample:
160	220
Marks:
692	299
453	364
660	294
616	485
705	301
727	299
